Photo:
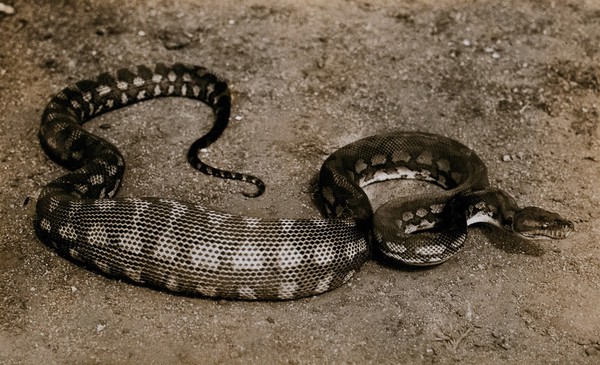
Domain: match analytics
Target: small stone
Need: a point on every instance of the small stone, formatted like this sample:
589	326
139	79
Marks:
141	33
466	43
175	39
100	327
6	9
238	117
592	351
506	158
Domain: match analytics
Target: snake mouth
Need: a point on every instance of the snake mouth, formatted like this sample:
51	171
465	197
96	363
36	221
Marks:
557	233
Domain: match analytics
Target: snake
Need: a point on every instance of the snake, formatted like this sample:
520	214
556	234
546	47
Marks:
188	248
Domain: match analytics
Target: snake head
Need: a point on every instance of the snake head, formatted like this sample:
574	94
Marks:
534	222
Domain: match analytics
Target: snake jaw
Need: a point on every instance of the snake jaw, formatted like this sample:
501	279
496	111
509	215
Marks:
538	223
561	231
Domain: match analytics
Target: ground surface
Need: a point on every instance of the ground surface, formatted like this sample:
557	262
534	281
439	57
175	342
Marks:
516	81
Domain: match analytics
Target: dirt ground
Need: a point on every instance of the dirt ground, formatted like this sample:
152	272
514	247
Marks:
517	81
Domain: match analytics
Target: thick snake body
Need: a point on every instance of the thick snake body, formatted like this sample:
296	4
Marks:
188	248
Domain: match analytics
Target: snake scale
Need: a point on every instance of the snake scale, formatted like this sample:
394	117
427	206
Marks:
187	248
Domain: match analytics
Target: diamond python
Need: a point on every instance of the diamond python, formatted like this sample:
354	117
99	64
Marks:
187	248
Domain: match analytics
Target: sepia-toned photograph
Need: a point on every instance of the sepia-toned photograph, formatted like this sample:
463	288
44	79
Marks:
300	182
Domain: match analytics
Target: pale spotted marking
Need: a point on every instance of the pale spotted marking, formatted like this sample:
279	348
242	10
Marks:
248	256
82	189
133	273
421	212
54	203
112	192
400	156
443	165
289	257
288	289
360	166
45	224
348	276
422	226
87	97
172	283
75	104
425	158
377	160
156	78
207	259
287	225
97	235
102	90
436	208
430	250
138	81
171	76
246	292
206	290
327	254
251	222
195	91
210	89
96	179
325	283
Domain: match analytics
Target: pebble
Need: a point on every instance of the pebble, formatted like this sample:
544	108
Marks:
100	327
592	351
175	40
6	9
506	158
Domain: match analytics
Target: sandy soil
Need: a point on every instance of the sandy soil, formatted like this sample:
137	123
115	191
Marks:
517	81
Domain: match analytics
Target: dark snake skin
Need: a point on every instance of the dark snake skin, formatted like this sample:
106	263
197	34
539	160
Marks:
187	248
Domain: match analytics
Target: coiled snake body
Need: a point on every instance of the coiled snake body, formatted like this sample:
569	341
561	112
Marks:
185	247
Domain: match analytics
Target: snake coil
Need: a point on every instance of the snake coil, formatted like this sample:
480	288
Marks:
187	248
